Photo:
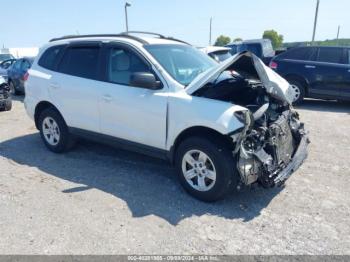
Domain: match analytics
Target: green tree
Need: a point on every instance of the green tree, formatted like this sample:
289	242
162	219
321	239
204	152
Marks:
237	39
222	40
276	39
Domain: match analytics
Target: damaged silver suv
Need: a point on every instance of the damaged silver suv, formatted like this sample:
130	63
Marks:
222	125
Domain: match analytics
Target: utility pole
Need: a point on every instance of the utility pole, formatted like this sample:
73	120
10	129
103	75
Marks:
126	16
315	23
211	20
338	34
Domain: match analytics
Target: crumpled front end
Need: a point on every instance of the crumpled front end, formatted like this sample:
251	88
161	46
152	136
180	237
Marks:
272	149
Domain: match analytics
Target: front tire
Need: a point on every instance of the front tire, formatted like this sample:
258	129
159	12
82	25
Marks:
206	169
299	90
54	131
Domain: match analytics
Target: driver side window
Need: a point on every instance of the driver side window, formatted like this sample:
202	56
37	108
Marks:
122	63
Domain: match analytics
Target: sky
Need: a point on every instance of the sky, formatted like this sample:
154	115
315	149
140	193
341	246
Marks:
33	22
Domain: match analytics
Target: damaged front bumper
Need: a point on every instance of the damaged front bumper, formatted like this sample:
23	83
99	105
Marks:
298	159
269	154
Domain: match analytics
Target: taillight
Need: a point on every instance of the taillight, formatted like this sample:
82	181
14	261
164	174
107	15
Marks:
273	65
25	77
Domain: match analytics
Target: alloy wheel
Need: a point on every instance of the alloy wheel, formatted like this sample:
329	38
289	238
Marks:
51	131
297	92
199	170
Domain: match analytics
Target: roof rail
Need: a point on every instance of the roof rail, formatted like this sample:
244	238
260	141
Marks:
100	35
143	33
156	34
124	34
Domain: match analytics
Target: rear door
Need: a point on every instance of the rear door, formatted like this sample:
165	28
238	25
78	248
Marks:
75	88
329	72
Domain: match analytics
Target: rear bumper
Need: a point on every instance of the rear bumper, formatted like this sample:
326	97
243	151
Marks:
298	159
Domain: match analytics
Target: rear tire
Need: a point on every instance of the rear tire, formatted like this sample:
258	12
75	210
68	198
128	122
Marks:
13	89
54	131
219	173
299	89
8	105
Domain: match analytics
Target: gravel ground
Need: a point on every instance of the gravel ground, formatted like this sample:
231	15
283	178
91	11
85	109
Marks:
100	200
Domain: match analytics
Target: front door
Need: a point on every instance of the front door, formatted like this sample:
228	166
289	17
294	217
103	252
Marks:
128	112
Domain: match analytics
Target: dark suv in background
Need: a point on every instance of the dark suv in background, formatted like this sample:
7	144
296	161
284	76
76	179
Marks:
316	72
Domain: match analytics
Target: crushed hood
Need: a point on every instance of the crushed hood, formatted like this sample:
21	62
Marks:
249	63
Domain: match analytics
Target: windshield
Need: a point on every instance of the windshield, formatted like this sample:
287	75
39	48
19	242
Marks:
5	57
184	63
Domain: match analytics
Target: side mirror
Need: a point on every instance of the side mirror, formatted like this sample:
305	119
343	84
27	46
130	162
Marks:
144	80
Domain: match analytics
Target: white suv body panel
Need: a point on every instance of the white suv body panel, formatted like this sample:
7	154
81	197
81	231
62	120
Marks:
134	114
187	111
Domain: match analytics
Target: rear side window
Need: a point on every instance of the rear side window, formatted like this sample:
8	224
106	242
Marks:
301	53
331	55
80	61
49	59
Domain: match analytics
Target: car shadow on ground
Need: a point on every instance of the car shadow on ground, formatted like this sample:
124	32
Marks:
148	186
324	106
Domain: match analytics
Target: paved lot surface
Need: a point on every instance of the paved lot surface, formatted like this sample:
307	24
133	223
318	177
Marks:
99	200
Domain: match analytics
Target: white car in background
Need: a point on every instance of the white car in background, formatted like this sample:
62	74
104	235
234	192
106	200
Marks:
218	53
222	125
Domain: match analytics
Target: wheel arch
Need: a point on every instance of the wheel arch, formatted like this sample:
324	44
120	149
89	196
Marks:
199	131
40	107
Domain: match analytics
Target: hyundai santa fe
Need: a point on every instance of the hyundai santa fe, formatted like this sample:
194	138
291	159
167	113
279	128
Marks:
222	125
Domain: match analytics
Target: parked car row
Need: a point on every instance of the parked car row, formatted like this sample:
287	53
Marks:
14	71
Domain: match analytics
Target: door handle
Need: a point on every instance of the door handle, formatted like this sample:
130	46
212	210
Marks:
55	85
107	98
310	66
